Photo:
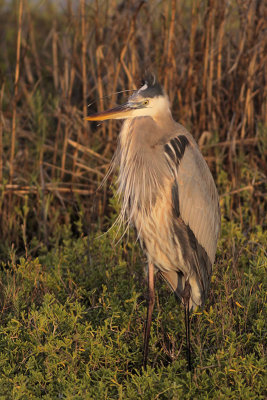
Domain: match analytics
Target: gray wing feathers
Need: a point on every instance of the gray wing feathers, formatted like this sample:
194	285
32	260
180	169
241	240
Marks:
196	213
198	199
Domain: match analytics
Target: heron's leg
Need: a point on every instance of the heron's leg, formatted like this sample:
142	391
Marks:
186	298
150	307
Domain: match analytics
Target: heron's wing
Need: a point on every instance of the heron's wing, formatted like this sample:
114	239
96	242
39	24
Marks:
195	206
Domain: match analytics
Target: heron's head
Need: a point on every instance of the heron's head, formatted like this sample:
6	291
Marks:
149	101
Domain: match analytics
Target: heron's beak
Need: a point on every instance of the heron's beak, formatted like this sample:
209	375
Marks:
121	112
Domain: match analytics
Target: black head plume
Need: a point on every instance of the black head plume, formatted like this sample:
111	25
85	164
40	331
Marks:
150	87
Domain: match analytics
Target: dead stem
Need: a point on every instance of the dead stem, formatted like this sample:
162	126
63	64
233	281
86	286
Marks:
14	113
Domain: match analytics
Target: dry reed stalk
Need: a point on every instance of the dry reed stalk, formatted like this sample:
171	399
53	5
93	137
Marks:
27	66
169	76
211	71
84	76
248	109
219	55
26	93
41	155
72	68
65	79
92	89
33	44
75	155
128	74
164	35
84	149
264	105
206	37
55	150
245	188
134	61
189	99
14	113
100	90
247	103
93	170
55	54
1	133
228	143
43	205
64	151
17	189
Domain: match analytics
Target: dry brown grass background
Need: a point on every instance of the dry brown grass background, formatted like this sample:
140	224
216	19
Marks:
56	59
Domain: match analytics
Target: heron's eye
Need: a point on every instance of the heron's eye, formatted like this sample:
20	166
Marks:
145	102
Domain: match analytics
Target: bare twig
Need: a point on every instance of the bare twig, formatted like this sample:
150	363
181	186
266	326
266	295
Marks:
17	189
84	77
168	76
55	54
14	114
1	134
87	150
243	142
242	189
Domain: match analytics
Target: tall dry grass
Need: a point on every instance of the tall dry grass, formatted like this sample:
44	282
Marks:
54	61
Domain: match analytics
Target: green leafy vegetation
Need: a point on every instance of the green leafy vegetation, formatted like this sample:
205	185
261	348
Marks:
72	324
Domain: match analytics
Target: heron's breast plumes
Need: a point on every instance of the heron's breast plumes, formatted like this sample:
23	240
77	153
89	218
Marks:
140	180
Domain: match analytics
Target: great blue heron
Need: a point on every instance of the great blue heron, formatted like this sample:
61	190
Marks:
168	193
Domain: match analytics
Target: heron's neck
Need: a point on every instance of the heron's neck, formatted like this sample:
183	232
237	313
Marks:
163	119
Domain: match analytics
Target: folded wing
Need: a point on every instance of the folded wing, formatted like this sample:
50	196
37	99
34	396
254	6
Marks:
195	208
